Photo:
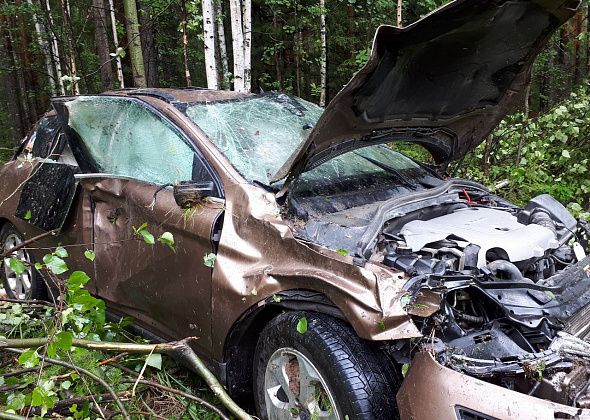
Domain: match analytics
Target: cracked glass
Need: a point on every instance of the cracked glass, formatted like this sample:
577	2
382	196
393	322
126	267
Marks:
259	133
126	139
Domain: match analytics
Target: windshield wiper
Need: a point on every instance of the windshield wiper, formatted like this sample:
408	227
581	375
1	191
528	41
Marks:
402	178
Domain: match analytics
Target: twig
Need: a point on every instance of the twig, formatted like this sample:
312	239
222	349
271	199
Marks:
98	379
11	416
19	372
181	393
30	303
23	244
147	415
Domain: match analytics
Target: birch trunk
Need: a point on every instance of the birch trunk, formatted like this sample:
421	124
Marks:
55	50
323	73
399	13
45	49
224	82
237	44
247	32
134	41
209	41
116	41
187	73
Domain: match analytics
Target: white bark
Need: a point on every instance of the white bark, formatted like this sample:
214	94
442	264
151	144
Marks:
235	9
222	45
44	46
323	64
247	31
116	41
55	50
399	13
209	40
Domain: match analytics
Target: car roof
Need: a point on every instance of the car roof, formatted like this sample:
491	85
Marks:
181	95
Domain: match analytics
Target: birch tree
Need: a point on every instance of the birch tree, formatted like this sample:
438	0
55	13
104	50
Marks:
247	31
237	32
323	59
54	49
73	78
209	41
116	42
399	13
183	26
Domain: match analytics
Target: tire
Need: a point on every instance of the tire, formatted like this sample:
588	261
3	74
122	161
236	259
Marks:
356	380
29	285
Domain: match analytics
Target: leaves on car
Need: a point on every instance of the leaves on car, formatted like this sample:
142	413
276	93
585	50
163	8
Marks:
209	260
302	325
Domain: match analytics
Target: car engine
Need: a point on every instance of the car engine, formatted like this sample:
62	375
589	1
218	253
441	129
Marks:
510	287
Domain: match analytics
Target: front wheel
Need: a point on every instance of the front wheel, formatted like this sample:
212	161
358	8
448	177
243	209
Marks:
327	372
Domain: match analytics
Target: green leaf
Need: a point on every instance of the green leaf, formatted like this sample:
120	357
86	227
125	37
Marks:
254	292
381	325
17	266
342	252
77	280
405	368
302	325
550	294
15	402
65	385
167	239
61	252
405	300
565	154
147	237
276	298
209	260
154	360
90	255
55	264
63	340
28	215
29	358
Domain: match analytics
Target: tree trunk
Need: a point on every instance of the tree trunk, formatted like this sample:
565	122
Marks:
45	50
323	64
134	41
399	13
29	80
11	88
183	25
55	49
65	8
278	52
247	31
237	44
224	80
116	42
102	44
209	41
148	45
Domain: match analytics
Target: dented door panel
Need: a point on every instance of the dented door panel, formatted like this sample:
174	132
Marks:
167	291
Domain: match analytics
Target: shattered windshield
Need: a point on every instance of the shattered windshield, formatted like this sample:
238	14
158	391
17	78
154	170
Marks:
259	133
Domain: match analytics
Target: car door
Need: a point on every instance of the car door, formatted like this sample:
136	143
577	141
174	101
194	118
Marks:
131	153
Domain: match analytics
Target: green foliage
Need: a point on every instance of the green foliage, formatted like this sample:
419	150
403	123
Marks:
302	325
554	158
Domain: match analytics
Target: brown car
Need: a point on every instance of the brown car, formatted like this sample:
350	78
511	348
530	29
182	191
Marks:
314	262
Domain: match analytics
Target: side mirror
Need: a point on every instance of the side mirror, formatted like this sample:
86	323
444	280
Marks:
188	194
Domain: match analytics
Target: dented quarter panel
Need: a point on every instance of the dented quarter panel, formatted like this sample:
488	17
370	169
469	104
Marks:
248	271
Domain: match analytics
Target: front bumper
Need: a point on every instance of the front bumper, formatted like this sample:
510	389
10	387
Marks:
431	391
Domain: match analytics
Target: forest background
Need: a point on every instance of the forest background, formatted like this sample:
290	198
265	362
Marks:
309	48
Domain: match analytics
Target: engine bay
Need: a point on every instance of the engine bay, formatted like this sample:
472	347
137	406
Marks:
512	291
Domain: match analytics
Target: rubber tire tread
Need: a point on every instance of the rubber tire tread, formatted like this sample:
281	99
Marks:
38	288
361	378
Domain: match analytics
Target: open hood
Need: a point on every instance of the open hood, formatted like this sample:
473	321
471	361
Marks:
444	82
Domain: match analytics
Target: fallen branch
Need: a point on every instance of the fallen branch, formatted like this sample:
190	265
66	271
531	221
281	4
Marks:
178	349
9	416
78	369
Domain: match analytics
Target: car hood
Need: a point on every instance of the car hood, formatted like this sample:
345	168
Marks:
444	82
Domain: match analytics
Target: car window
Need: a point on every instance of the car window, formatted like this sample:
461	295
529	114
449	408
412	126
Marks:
126	139
257	134
42	143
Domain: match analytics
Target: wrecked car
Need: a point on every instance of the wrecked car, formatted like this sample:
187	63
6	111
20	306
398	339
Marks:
326	273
